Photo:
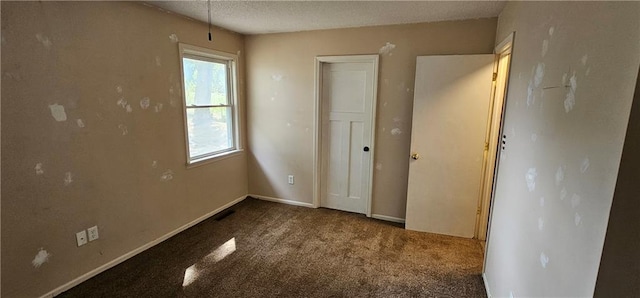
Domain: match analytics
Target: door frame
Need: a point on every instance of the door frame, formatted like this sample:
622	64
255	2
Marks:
505	47
317	122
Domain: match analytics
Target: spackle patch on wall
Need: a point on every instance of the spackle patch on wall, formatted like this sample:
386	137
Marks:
122	102
144	103
570	98
58	113
173	37
563	193
551	31
44	40
166	175
585	165
530	177
68	178
544	260
387	48
158	107
123	128
13	76
158	61
379	166
154	164
577	219
584	59
537	79
540	223
531	99
276	77
129	108
41	257
575	200
396	131
541	201
80	123
534	137
119	89
559	175
38	168
545	47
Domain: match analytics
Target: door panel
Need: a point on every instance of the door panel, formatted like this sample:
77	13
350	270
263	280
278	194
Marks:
347	103
450	109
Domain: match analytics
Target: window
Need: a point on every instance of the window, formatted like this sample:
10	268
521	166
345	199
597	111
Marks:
209	80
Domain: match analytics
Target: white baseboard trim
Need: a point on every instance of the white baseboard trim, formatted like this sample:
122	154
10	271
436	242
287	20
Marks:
282	201
136	251
388	218
486	285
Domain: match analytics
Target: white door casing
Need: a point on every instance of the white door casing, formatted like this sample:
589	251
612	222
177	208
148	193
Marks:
451	102
347	108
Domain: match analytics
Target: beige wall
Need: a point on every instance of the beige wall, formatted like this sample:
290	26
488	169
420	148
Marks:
76	54
557	175
280	100
619	273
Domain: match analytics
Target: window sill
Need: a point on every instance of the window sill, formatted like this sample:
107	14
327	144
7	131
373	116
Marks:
212	159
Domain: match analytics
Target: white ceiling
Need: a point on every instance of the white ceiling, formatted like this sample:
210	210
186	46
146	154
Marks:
258	17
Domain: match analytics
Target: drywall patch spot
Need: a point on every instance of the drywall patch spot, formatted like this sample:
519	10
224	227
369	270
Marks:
534	137
58	113
540	223
166	176
530	177
585	165
577	219
530	97
541	201
545	47
68	178
575	200
123	128
584	59
551	31
384	104
559	175
387	48
44	40
379	166
158	107
564	79
129	108
173	37
570	99
537	79
119	89
563	193
396	131
586	73
276	77
41	257
154	164
544	260
39	169
144	103
122	102
80	123
158	61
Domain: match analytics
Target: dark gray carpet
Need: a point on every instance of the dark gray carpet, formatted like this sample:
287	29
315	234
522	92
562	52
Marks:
288	251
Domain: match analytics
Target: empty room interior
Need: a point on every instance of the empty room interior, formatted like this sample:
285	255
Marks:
320	149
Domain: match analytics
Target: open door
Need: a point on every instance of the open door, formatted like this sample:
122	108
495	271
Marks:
451	100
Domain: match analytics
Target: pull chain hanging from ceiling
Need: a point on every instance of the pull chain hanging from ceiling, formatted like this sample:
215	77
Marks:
209	16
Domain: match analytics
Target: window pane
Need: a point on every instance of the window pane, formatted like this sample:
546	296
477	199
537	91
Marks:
205	82
210	130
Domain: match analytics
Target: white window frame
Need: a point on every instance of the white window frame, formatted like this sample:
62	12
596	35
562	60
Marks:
204	54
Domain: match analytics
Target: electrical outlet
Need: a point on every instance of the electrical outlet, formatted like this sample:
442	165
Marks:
291	179
81	238
93	233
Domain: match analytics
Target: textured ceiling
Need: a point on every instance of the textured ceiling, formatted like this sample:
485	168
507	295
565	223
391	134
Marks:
257	17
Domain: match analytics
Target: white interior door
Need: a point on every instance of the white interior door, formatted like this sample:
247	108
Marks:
450	108
347	105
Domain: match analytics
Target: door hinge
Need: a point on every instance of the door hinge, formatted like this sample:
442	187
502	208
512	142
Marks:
495	76
478	211
486	146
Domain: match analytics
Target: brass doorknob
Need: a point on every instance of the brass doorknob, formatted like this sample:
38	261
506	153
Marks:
415	156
